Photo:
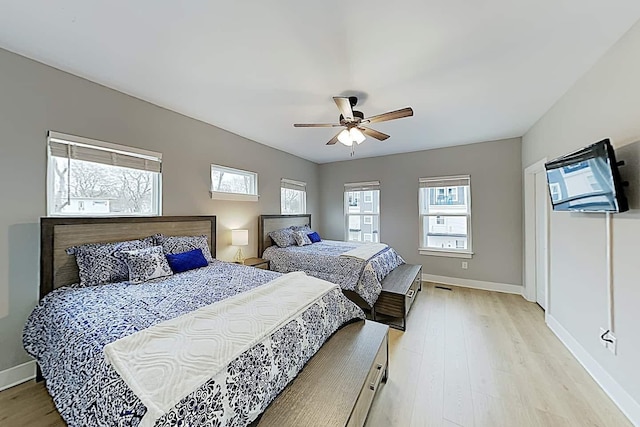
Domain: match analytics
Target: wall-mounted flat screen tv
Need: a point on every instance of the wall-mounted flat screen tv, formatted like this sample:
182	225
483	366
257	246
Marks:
587	180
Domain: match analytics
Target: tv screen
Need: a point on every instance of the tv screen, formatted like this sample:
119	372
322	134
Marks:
587	180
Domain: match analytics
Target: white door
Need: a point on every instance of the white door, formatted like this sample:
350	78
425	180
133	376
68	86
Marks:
541	212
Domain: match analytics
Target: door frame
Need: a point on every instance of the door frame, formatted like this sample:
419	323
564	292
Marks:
529	272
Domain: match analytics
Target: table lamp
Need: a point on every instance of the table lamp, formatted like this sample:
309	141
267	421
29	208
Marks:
239	238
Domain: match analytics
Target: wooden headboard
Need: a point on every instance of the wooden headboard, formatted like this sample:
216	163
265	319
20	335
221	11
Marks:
269	223
58	269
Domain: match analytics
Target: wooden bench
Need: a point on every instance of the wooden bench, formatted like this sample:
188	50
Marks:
399	290
338	385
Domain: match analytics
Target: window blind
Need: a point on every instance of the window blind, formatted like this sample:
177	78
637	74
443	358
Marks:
453	181
78	148
293	185
362	186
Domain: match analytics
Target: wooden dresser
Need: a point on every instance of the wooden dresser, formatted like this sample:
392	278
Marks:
338	385
399	290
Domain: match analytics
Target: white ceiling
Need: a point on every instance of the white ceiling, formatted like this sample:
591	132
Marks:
472	70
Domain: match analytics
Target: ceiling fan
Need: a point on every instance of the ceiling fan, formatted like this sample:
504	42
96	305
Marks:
354	122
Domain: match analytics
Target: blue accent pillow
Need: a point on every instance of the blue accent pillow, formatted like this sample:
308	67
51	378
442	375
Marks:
314	237
186	261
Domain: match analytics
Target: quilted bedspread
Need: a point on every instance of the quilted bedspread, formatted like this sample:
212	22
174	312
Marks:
70	327
323	260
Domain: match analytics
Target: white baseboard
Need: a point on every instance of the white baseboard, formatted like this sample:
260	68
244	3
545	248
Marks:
17	375
620	397
475	284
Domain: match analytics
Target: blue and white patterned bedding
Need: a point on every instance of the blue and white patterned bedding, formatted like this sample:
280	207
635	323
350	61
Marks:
69	328
323	260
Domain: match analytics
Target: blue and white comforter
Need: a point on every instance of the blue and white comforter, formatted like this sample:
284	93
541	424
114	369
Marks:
68	330
323	260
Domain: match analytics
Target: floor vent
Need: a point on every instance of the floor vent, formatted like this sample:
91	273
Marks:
443	288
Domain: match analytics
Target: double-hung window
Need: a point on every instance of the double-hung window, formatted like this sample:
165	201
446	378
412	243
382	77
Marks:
233	184
86	177
362	211
293	196
445	216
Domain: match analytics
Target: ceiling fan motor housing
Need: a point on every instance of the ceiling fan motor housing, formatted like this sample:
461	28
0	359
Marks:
356	115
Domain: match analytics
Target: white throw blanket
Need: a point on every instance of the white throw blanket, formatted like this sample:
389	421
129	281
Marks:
168	361
365	252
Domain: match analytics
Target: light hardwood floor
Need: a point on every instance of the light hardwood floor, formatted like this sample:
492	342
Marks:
468	358
478	358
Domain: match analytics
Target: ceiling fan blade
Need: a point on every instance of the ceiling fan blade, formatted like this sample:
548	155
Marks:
373	133
334	139
316	125
344	105
391	115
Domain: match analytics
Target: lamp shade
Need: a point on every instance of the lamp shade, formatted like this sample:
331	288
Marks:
345	138
356	135
239	237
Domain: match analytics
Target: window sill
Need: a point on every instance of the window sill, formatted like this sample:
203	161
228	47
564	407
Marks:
218	195
444	253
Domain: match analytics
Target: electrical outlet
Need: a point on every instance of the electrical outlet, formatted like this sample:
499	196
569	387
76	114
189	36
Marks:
612	346
465	265
610	342
603	342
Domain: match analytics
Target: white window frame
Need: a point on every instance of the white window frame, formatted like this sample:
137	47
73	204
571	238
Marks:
148	160
241	197
446	181
369	218
357	187
290	184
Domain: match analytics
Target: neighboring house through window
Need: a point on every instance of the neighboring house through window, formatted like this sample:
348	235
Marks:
293	196
233	184
90	177
445	216
362	211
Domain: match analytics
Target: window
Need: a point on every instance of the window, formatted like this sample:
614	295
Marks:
293	197
445	216
88	177
362	211
233	184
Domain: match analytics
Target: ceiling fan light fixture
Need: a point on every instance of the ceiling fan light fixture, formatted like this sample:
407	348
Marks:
356	135
345	138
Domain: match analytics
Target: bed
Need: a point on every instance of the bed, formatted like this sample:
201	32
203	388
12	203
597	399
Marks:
359	279
72	328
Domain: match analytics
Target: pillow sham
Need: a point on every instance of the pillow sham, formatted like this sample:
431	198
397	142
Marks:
145	264
301	238
186	261
314	237
97	264
283	237
180	244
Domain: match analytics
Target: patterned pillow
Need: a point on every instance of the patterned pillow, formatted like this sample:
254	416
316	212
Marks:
283	237
145	264
301	228
180	244
301	238
97	264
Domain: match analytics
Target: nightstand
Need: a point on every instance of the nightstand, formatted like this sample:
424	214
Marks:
257	263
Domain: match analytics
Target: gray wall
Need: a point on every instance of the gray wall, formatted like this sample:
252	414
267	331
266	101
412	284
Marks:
35	98
496	199
605	102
